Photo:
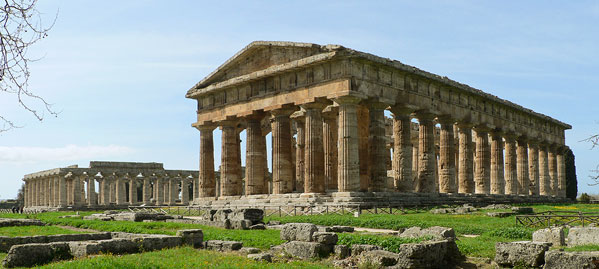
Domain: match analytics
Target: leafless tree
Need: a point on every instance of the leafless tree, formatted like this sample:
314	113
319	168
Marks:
20	27
594	140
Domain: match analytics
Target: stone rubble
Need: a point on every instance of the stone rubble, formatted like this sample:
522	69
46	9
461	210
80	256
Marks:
556	259
553	235
527	253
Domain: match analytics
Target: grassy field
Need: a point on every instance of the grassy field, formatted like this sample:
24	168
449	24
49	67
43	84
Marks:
477	233
35	230
184	257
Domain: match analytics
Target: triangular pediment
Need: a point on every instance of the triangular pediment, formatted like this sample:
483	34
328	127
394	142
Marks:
260	55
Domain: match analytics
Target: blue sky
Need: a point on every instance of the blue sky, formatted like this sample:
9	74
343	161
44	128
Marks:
117	71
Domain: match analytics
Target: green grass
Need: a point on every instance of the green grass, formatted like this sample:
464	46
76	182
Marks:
583	248
184	257
34	230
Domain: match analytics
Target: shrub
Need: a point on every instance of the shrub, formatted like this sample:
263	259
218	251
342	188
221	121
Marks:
584	198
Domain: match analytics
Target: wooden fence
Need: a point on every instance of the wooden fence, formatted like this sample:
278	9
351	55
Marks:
558	218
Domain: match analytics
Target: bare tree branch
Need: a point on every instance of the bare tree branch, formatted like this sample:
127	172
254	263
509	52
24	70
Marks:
20	27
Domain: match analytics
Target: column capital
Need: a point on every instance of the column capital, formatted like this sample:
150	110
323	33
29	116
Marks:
423	115
298	116
256	115
373	104
228	123
205	127
347	100
282	112
483	128
445	119
330	112
317	105
464	124
510	137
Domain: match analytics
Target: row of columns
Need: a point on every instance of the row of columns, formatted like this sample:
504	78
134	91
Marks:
343	148
68	190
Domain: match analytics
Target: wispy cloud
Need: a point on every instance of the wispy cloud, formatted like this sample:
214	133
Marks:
23	155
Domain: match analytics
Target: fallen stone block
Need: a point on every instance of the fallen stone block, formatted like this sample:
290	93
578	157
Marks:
158	242
266	257
20	222
247	250
441	211
191	237
342	251
258	226
523	253
359	248
326	238
252	214
298	232
522	210
555	259
36	254
241	224
435	254
500	214
307	250
436	232
7	242
583	236
219	245
378	258
342	229
554	235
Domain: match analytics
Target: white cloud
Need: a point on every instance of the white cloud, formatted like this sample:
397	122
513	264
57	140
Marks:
23	155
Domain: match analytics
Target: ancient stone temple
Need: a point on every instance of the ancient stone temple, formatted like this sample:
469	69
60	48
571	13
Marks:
326	108
108	185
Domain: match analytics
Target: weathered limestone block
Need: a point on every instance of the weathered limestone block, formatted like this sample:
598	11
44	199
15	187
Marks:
523	253
248	250
500	214
267	257
191	237
554	235
20	222
253	214
359	248
336	229
298	232
219	245
342	251
259	226
436	232
556	259
378	258
307	250
35	254
435	254
157	242
583	236
522	210
327	238
7	242
241	224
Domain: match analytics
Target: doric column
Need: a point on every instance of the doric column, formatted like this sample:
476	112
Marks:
348	154
552	164
300	125
281	151
113	189
561	171
497	177
185	191
56	191
377	147
206	186
402	150
159	188
465	170
173	187
363	148
482	164
511	176
314	152
77	199
121	193
522	167
255	182
544	185
146	194
230	177
426	154
133	190
329	129
92	199
105	189
533	167
447	175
